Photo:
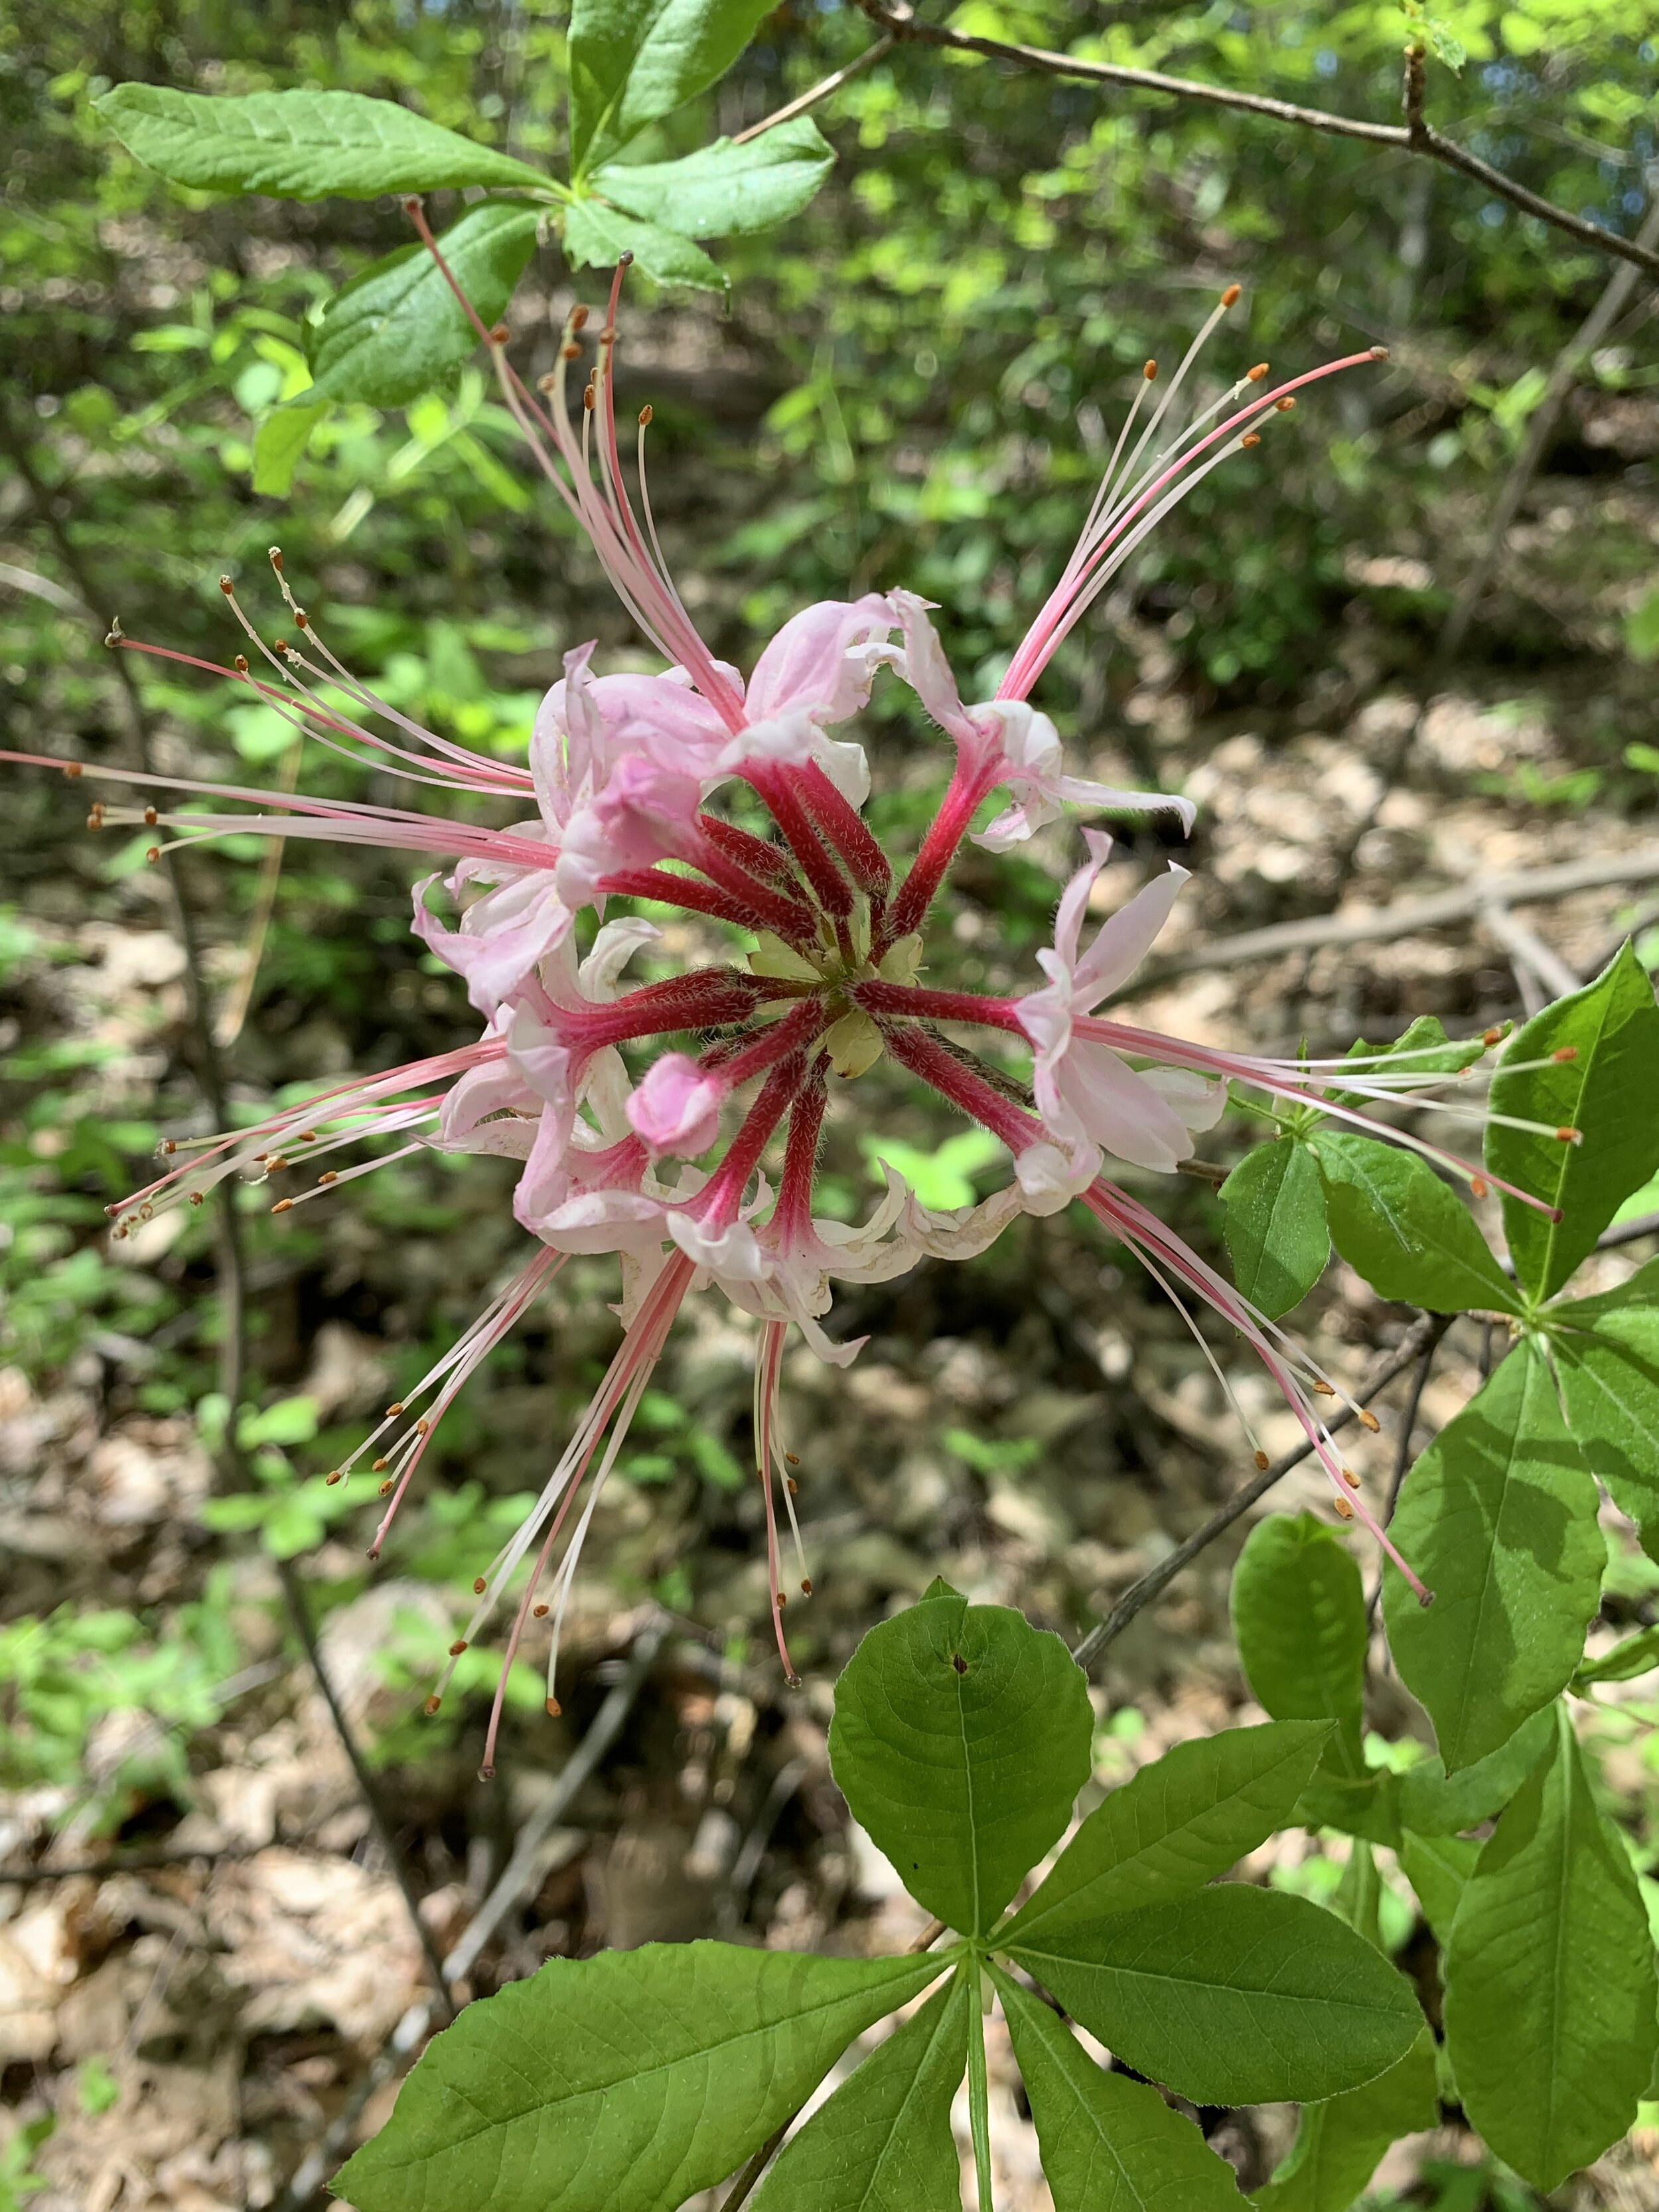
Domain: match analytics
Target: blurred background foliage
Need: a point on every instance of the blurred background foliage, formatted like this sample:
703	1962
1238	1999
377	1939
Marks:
915	383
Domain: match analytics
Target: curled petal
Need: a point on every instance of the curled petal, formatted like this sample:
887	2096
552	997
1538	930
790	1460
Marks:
818	663
676	1109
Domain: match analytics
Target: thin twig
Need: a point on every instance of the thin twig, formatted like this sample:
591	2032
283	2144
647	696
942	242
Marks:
1406	916
1541	973
1415	136
821	90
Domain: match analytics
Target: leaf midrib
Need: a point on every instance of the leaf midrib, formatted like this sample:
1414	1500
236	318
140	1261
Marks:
1033	1959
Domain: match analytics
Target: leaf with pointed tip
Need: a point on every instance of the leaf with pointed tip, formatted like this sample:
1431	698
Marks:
1397	1225
299	145
961	1738
1438	1869
1234	1996
1275	1226
280	440
623	2083
632	61
1605	1093
725	188
1298	1612
1434	1803
397	330
1610	1381
1423	1049
1549	1978
597	237
1498	1517
883	2143
1338	2142
1176	1824
1108	2144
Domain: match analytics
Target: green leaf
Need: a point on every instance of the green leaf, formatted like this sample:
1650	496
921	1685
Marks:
1397	1225
280	440
1235	1995
632	61
1367	1805
1610	1382
1438	1869
622	2083
883	2143
725	189
1177	1824
1275	1227
1639	1292
1423	1049
1606	1093
299	145
1340	2142
1435	1803
1299	1614
1108	2144
1498	1517
289	1421
596	236
1637	1654
961	1738
1549	1978
397	330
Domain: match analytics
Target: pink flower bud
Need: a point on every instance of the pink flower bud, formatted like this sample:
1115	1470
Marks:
676	1108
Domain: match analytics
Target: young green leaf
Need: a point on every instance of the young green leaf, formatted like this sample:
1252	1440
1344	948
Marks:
1176	1824
1438	1869
1108	2144
1435	1803
1275	1227
299	145
962	1737
883	2143
397	330
1549	1978
597	237
1638	1655
279	441
1424	1049
1360	1805
1640	1293
1338	2142
725	189
636	2078
1299	1614
1610	1381
632	61
1605	1093
1235	1995
1498	1517
1397	1225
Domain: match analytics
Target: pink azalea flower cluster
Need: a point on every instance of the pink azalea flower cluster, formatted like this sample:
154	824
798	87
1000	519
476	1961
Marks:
699	1168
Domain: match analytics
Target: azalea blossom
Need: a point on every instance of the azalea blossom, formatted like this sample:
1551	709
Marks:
702	1168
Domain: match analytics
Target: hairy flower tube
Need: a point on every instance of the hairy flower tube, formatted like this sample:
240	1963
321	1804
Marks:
700	1166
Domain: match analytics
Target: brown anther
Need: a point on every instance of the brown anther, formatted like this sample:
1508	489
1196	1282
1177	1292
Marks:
807	1586
792	1485
198	1198
71	769
1570	1136
283	1205
379	1465
578	319
275	1161
538	1612
226	585
1231	295
279	645
568	352
457	1647
791	1459
1262	1460
301	618
1351	1478
305	1137
1489	1037
154	854
328	1176
1255	375
792	1681
1250	438
241	663
782	1599
95	819
432	1704
478	1587
1150	372
386	1487
1567	1052
1324	1390
625	258
1368	1420
1479	1187
146	1212
553	1709
423	1428
588	399
335	1475
1344	1510
1379	352
499	335
1283	406
151	817
646	415
394	1409
274	555
1426	1600
486	1774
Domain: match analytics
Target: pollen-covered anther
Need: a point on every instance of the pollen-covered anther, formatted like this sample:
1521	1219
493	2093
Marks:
394	1409
486	1774
578	319
1351	1478
423	1428
1344	1509
1262	1462
1255	375
783	1599
479	1586
386	1488
1565	1053
457	1647
793	1485
240	664
1324	1389
791	1459
301	618
95	819
335	1475
1379	352
1150	372
553	1709
328	1176
538	1612
226	585
1231	295
1250	438
72	768
1283	406
1368	1420
646	413
1479	1187
1489	1037
499	335
793	1681
379	1465
1570	1136
432	1704
807	1586
151	817
283	1205
198	1198
274	555
153	855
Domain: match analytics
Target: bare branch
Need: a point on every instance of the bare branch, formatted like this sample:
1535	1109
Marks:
821	90
1415	136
